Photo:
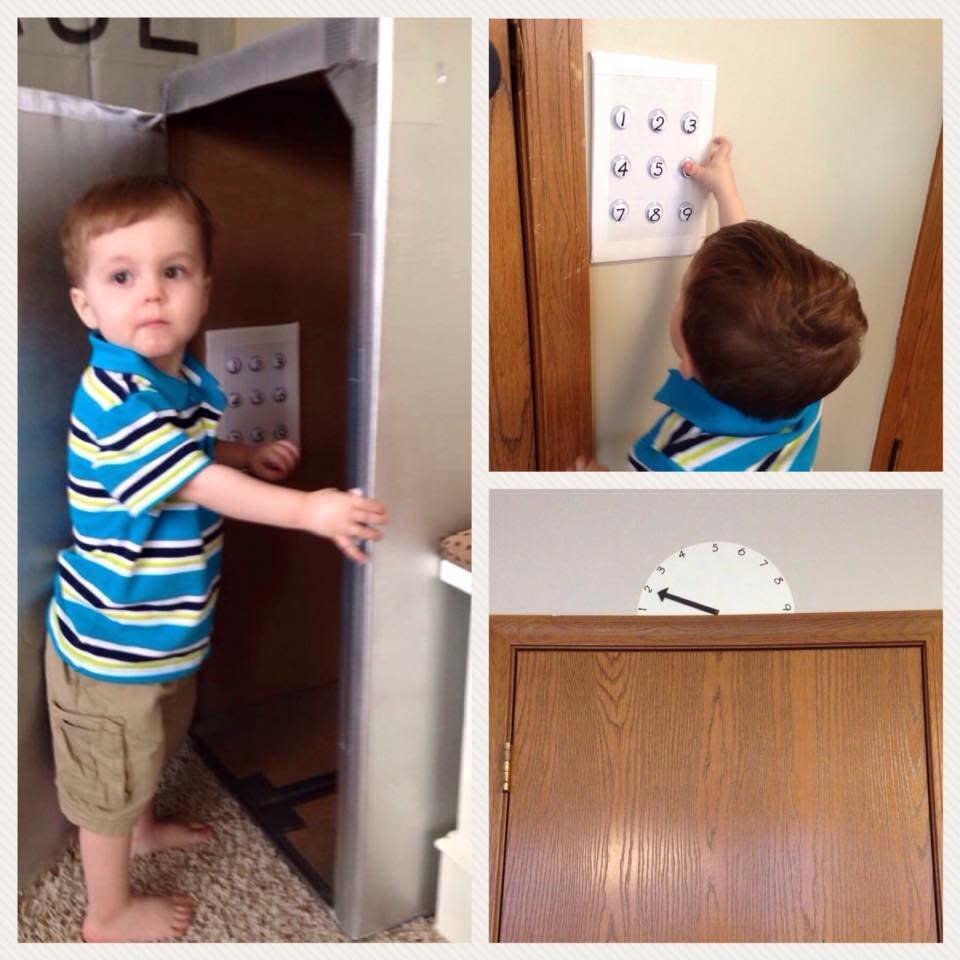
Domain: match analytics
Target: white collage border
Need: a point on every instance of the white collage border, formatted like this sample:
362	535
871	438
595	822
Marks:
483	482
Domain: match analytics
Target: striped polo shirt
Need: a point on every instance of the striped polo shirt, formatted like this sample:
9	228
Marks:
134	595
698	432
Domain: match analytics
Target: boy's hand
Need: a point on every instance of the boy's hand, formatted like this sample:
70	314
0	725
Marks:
344	517
588	464
716	174
274	461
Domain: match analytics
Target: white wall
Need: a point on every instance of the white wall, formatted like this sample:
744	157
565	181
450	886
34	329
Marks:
590	552
834	125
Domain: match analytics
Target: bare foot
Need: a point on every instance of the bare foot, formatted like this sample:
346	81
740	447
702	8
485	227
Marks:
142	919
165	834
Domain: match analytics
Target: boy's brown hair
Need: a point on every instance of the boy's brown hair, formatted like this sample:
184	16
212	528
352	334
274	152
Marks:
122	202
770	326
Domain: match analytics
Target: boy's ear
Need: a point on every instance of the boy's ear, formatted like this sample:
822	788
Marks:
80	303
687	368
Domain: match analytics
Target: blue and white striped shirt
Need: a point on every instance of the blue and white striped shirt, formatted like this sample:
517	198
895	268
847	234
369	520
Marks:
699	432
134	595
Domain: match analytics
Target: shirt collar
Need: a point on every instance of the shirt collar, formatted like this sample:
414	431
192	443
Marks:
692	401
117	359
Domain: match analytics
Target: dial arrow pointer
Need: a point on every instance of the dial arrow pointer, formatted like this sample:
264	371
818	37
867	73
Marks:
665	595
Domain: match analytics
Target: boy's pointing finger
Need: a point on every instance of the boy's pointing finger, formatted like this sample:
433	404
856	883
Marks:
722	146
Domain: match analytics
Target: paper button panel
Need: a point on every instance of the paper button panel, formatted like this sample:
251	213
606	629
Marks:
259	370
648	116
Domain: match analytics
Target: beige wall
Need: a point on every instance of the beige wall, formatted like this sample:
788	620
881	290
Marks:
838	549
834	126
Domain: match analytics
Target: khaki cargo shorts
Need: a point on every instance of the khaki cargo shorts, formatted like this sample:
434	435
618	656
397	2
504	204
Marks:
110	742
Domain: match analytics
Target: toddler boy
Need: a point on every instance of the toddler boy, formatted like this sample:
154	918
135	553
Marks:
134	596
764	329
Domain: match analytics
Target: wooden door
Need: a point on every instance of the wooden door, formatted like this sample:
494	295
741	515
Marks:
544	165
716	779
910	434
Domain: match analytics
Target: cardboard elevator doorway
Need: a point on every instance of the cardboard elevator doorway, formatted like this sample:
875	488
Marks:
273	164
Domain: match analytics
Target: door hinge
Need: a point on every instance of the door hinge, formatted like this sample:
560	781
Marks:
506	767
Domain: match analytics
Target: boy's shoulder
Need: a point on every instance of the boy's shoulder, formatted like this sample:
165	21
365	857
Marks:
106	399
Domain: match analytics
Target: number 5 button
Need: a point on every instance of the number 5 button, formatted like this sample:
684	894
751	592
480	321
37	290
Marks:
619	210
655	166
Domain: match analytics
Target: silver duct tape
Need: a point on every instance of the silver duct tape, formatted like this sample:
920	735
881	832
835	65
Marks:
410	669
356	86
65	145
63	105
307	48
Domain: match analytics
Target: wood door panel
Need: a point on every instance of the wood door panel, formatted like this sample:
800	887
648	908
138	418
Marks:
765	792
910	432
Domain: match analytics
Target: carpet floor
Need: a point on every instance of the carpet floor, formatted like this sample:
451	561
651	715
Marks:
243	890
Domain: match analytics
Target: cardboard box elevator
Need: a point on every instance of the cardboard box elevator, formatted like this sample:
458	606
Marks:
338	174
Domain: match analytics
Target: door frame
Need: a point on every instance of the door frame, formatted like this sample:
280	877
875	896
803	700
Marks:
512	439
921	324
546	60
509	635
